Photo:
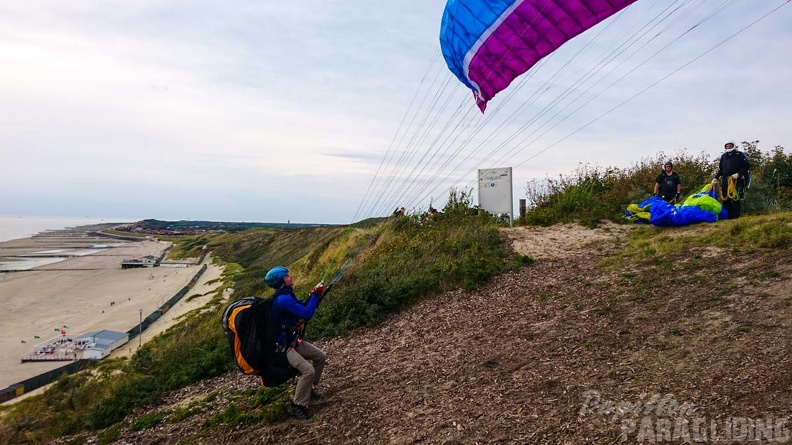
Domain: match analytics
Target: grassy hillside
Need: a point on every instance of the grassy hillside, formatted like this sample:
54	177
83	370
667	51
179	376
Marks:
698	314
392	265
388	266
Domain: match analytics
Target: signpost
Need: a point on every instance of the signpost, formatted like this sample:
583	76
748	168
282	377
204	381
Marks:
495	191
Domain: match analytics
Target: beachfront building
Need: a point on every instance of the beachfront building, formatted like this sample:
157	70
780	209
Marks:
146	261
97	345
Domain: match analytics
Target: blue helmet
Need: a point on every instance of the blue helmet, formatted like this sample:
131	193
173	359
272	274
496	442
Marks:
275	276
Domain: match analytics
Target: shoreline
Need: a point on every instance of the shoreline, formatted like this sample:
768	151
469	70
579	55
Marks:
86	293
16	227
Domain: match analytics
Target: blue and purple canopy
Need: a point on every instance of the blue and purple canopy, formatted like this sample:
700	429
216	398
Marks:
488	43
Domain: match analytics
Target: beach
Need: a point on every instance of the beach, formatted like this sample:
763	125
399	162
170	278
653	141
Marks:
78	285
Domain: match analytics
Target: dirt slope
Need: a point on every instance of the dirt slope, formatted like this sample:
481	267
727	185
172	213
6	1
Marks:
537	355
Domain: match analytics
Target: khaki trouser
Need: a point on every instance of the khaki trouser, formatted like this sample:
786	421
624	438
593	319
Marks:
309	374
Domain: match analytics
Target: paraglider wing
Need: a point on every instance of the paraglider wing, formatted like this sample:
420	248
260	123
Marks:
488	43
702	206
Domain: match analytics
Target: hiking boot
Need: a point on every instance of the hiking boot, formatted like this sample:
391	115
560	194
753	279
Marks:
315	395
300	411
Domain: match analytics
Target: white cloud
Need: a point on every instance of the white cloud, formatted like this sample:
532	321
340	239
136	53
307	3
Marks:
255	111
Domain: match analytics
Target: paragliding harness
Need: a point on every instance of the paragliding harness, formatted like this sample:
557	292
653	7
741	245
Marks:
258	343
252	333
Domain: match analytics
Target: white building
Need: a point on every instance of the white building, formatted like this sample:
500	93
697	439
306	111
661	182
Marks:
99	344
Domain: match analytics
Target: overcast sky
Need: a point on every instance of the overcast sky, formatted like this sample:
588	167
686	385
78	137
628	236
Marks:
277	111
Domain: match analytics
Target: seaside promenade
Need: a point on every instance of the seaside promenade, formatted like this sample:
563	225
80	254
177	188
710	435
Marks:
75	283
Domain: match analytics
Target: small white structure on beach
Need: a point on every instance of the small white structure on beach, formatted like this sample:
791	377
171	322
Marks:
99	344
134	263
176	265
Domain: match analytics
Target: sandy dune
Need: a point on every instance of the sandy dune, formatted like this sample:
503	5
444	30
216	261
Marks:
561	240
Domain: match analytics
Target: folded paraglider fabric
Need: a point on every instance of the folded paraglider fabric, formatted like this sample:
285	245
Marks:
702	206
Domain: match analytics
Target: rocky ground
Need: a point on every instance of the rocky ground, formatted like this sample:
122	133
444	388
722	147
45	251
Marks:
571	349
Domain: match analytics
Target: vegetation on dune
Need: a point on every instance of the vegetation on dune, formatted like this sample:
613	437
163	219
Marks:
771	233
592	194
458	248
257	251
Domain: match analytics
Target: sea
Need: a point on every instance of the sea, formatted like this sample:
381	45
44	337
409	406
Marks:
15	227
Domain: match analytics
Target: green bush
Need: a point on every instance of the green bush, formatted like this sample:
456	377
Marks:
233	415
147	421
458	248
180	413
126	393
109	435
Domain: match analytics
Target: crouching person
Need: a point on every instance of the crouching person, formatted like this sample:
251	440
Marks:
291	313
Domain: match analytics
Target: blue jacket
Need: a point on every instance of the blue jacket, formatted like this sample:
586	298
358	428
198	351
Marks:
287	309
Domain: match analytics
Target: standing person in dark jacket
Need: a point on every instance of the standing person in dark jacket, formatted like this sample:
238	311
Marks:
668	186
733	168
291	314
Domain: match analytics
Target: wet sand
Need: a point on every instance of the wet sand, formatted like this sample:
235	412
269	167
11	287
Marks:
85	293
